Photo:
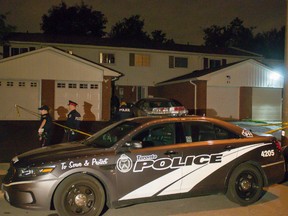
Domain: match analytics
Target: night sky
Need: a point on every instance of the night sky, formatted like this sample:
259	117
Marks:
181	20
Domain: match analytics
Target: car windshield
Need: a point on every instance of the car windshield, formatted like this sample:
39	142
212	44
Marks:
171	103
110	135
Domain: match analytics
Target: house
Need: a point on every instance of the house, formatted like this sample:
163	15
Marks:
151	69
51	76
246	89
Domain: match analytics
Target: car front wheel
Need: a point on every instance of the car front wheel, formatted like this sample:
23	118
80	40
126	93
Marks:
79	194
245	185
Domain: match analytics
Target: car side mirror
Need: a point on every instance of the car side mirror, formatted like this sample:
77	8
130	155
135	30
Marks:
134	144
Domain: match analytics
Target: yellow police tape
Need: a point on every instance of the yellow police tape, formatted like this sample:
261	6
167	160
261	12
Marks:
86	134
275	124
38	115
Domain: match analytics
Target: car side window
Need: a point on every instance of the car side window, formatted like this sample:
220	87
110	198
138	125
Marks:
159	135
204	131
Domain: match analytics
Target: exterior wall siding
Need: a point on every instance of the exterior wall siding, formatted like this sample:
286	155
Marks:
158	70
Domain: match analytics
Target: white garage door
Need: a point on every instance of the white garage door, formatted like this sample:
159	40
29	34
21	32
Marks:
86	94
19	93
223	102
267	104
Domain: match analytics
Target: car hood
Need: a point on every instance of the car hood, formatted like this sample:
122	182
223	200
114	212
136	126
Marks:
57	153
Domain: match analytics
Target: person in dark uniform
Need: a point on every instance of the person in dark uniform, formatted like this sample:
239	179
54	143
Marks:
73	121
124	111
45	129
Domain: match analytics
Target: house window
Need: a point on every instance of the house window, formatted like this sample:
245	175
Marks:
213	63
61	85
72	85
23	50
178	62
16	51
10	84
107	58
139	60
21	84
33	84
83	86
181	62
93	86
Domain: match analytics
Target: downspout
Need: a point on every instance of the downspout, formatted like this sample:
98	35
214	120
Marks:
195	97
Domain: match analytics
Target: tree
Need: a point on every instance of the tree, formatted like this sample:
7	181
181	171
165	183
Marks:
132	28
234	34
271	43
75	20
160	37
129	28
5	29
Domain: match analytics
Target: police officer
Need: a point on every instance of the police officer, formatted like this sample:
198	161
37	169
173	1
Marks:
124	111
73	121
45	128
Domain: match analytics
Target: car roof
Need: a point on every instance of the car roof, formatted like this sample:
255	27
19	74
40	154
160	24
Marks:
167	119
155	99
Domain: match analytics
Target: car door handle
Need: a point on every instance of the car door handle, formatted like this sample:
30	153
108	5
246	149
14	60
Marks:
171	152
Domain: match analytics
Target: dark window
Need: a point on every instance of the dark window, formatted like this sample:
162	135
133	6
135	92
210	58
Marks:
178	62
159	135
212	63
23	50
181	62
110	135
204	131
14	51
107	58
215	63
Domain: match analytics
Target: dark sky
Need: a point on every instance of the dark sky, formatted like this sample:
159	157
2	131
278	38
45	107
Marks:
181	20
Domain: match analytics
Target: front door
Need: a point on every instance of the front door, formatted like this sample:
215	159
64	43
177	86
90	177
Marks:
154	170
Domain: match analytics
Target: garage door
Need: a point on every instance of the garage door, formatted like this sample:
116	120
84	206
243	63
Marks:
22	93
267	104
223	102
86	94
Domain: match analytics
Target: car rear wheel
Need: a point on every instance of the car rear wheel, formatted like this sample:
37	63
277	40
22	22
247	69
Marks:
79	194
245	185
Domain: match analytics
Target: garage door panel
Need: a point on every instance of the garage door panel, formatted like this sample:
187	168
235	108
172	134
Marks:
86	94
19	93
267	104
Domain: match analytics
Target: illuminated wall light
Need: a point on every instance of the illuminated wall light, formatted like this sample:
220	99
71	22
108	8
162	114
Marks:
275	76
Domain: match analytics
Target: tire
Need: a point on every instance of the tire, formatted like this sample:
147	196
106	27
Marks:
79	194
245	185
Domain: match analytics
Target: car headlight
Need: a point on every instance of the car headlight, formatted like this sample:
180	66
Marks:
34	171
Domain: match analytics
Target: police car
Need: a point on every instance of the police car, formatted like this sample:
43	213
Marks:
146	159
